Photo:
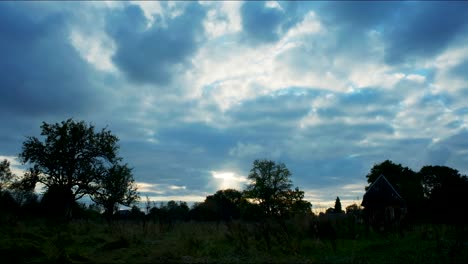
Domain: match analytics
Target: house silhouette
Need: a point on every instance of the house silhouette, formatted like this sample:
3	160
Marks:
384	208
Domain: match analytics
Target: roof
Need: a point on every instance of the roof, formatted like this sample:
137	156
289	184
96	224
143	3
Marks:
381	193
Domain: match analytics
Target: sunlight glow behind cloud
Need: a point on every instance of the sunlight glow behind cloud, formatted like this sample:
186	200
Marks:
228	180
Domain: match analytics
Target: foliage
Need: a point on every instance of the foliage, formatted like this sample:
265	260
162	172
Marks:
251	211
72	161
172	211
225	204
445	189
271	188
6	176
440	180
177	210
201	212
353	209
337	208
14	198
117	186
294	204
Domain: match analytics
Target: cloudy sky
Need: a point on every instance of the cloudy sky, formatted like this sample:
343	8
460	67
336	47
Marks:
197	91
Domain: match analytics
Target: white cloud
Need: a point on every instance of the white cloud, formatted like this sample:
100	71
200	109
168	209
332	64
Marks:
89	38
444	81
274	5
176	187
309	25
149	187
97	49
222	18
449	58
416	78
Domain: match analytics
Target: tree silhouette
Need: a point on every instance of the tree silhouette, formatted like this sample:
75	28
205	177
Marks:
71	159
445	190
6	176
117	186
295	204
171	212
271	188
353	209
201	212
225	204
8	203
338	205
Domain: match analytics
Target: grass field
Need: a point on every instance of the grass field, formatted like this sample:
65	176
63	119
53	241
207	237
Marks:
239	242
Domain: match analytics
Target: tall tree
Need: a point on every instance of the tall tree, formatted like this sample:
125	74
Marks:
437	179
295	204
338	205
71	159
271	187
116	187
7	201
6	176
445	191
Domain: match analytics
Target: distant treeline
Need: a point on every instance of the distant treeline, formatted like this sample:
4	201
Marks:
73	161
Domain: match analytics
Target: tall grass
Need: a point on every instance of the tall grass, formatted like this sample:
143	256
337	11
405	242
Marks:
294	241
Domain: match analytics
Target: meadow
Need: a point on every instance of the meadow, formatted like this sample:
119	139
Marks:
84	241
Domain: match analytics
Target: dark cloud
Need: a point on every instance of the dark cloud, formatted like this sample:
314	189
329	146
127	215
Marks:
349	24
270	119
196	135
439	99
42	76
352	133
172	162
153	55
314	172
357	15
364	102
450	152
185	154
274	121
279	108
262	24
461	70
409	30
42	73
422	30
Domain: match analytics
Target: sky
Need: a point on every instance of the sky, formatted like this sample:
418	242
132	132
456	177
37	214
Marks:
196	91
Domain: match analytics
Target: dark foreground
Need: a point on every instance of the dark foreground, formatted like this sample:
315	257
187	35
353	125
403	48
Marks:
237	242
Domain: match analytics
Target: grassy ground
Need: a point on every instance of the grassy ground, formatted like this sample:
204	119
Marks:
97	242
